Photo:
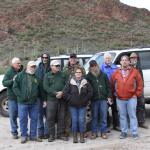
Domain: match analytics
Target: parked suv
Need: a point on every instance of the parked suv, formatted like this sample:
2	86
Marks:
3	90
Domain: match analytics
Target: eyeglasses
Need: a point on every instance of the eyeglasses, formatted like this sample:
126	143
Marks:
45	57
33	66
57	66
134	57
78	72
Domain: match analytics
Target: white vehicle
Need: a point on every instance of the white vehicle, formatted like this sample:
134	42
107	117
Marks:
3	90
3	98
144	54
64	59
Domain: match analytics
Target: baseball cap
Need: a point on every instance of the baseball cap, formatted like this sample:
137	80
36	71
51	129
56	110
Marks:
73	55
93	63
55	62
31	63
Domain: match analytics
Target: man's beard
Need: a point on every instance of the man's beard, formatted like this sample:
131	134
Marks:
30	71
134	63
96	71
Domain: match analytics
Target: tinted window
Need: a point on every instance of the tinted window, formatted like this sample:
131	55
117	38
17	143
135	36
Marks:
145	59
99	59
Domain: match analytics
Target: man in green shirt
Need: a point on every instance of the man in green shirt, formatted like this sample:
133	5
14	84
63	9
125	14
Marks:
8	81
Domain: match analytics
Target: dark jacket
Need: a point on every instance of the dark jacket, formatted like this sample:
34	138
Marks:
26	88
8	82
40	72
77	96
53	83
101	86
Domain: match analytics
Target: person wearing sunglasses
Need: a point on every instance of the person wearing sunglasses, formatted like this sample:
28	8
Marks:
77	93
42	69
54	83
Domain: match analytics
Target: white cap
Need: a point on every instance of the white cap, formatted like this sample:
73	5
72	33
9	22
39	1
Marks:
31	63
55	62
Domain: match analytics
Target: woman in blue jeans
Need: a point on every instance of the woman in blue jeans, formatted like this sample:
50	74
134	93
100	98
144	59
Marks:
77	93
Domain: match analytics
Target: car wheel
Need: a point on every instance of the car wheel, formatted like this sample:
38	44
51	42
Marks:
4	104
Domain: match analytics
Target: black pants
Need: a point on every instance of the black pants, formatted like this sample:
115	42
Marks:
115	117
141	109
56	113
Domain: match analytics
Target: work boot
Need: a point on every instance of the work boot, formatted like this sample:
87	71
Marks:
36	139
75	138
142	125
116	128
104	136
93	136
82	138
23	140
40	136
62	137
14	136
51	138
46	136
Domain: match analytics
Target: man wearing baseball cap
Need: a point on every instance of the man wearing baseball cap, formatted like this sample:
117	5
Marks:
54	83
26	87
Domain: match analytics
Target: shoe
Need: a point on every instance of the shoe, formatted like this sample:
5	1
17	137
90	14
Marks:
64	138
135	136
51	138
104	136
123	135
142	125
93	136
108	130
116	128
15	136
36	139
46	136
23	140
67	133
85	135
75	138
82	138
40	136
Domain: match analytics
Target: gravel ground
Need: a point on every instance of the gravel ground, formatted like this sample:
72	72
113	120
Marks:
112	143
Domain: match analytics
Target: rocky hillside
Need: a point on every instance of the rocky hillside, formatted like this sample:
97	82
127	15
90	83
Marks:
60	26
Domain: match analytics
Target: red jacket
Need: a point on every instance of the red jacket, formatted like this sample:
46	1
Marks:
132	86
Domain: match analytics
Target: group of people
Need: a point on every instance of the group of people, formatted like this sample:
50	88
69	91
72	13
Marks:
53	98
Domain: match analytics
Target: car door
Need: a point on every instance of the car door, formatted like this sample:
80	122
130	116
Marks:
145	65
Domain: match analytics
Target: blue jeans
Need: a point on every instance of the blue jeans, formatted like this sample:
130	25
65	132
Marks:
31	111
99	115
78	118
42	122
128	107
13	114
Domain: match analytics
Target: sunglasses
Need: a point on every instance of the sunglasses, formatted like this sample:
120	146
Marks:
57	66
45	57
78	72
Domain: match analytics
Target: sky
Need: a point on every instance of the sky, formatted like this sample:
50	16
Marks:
138	3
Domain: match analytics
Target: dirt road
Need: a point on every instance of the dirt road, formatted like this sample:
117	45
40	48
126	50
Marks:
113	143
